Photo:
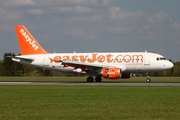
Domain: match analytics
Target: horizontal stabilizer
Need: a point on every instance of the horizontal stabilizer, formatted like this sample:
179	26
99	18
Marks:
16	58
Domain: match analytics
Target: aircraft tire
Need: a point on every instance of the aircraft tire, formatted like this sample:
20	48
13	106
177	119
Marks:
148	80
98	79
90	79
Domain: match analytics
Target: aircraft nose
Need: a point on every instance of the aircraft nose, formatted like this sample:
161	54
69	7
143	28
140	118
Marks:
169	65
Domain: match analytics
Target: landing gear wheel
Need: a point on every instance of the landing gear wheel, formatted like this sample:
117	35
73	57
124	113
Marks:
90	79
98	79
148	80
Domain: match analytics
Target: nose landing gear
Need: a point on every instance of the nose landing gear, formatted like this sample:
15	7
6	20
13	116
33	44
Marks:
148	80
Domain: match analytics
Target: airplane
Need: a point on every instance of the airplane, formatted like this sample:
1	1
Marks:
112	65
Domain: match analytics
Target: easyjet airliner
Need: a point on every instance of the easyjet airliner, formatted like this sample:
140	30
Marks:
107	65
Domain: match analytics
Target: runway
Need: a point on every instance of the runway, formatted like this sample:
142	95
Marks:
89	84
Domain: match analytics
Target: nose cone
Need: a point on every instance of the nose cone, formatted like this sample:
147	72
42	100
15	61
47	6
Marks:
169	65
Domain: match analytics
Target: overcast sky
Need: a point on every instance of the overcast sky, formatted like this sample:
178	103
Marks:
94	25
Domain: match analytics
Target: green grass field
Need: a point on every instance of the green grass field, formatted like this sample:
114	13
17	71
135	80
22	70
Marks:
89	102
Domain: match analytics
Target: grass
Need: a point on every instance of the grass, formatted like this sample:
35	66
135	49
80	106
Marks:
83	79
89	102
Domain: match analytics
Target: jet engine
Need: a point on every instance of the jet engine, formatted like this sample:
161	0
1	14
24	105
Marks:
114	73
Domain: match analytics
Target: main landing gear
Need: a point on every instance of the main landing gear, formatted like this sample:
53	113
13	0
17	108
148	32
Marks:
99	79
148	80
91	79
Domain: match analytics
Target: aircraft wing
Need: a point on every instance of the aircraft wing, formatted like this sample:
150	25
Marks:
75	63
88	66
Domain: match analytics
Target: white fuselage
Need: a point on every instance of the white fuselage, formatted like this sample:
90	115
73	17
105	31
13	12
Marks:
127	61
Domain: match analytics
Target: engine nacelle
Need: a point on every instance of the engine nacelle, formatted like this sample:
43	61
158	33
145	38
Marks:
114	73
111	73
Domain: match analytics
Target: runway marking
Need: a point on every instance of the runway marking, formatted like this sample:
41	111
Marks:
89	84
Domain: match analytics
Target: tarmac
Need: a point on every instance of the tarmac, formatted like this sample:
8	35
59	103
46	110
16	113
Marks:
89	84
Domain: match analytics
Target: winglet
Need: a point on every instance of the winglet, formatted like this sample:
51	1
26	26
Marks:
27	43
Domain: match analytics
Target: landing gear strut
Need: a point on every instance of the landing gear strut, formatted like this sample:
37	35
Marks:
148	80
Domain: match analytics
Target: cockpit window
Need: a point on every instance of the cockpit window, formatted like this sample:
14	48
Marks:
160	58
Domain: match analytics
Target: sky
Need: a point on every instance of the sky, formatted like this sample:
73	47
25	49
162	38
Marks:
94	25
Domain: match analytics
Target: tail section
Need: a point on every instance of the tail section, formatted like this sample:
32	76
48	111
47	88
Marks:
27	43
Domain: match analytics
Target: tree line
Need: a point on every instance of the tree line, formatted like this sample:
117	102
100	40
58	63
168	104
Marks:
11	68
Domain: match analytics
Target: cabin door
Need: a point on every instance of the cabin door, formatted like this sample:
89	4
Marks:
46	61
147	59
